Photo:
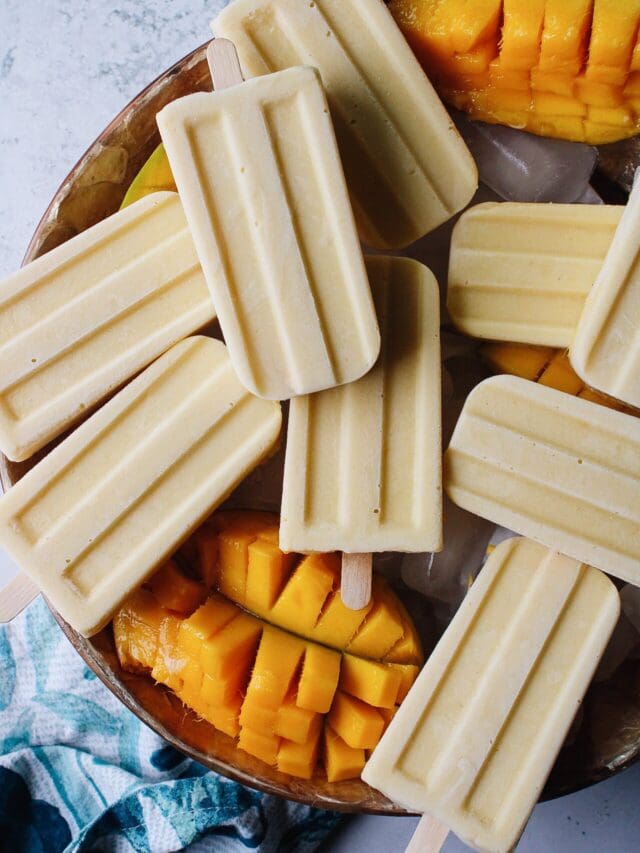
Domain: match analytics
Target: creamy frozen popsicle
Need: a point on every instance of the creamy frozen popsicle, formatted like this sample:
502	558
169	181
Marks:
260	178
94	518
605	352
562	470
80	320
363	461
475	739
407	168
521	272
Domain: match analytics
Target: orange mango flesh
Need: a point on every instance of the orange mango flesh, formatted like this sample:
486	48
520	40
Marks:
154	176
582	52
262	676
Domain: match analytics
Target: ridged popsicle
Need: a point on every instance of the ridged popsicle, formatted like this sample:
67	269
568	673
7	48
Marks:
521	272
473	742
363	461
260	178
559	469
97	515
82	319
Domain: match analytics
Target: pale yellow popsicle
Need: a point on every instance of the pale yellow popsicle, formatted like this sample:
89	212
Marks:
475	739
605	352
94	518
521	272
559	469
363	461
407	168
260	178
79	321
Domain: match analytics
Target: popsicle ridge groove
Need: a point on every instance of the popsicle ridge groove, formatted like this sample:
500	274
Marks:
49	524
301	238
549	506
554	616
377	97
31	299
207	200
590	440
19	395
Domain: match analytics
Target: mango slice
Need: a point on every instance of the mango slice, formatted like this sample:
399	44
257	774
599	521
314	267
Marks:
274	687
153	177
556	67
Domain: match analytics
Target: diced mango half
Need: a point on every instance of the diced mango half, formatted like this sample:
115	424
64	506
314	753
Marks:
273	689
582	52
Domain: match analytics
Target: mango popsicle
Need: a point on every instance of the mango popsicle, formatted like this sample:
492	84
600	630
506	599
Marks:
363	461
521	272
476	737
605	352
407	168
259	175
562	470
80	320
94	518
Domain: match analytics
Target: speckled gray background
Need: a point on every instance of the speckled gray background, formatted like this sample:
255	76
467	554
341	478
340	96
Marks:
66	68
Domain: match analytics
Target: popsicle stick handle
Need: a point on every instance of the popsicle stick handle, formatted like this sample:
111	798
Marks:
429	836
355	585
15	596
224	64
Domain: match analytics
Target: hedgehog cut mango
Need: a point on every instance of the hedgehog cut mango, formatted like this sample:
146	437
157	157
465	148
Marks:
258	643
562	68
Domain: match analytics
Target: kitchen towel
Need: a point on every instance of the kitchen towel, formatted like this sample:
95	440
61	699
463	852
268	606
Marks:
79	772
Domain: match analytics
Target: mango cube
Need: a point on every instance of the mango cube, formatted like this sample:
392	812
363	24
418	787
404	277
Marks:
338	623
559	374
318	679
276	664
225	717
382	627
268	569
299	759
375	683
295	723
237	641
302	599
175	591
263	746
340	760
208	619
408	673
358	724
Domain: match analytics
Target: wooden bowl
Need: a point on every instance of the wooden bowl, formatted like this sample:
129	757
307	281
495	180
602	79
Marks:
608	737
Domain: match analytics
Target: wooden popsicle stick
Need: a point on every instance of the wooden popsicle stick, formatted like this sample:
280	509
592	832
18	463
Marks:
355	583
224	64
15	596
429	836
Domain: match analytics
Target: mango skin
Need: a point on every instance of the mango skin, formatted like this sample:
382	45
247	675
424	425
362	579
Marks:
558	68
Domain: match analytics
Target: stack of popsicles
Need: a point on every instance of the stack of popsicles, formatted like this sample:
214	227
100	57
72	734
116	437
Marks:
339	136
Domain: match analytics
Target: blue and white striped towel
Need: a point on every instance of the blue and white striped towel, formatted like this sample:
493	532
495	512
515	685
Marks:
79	772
